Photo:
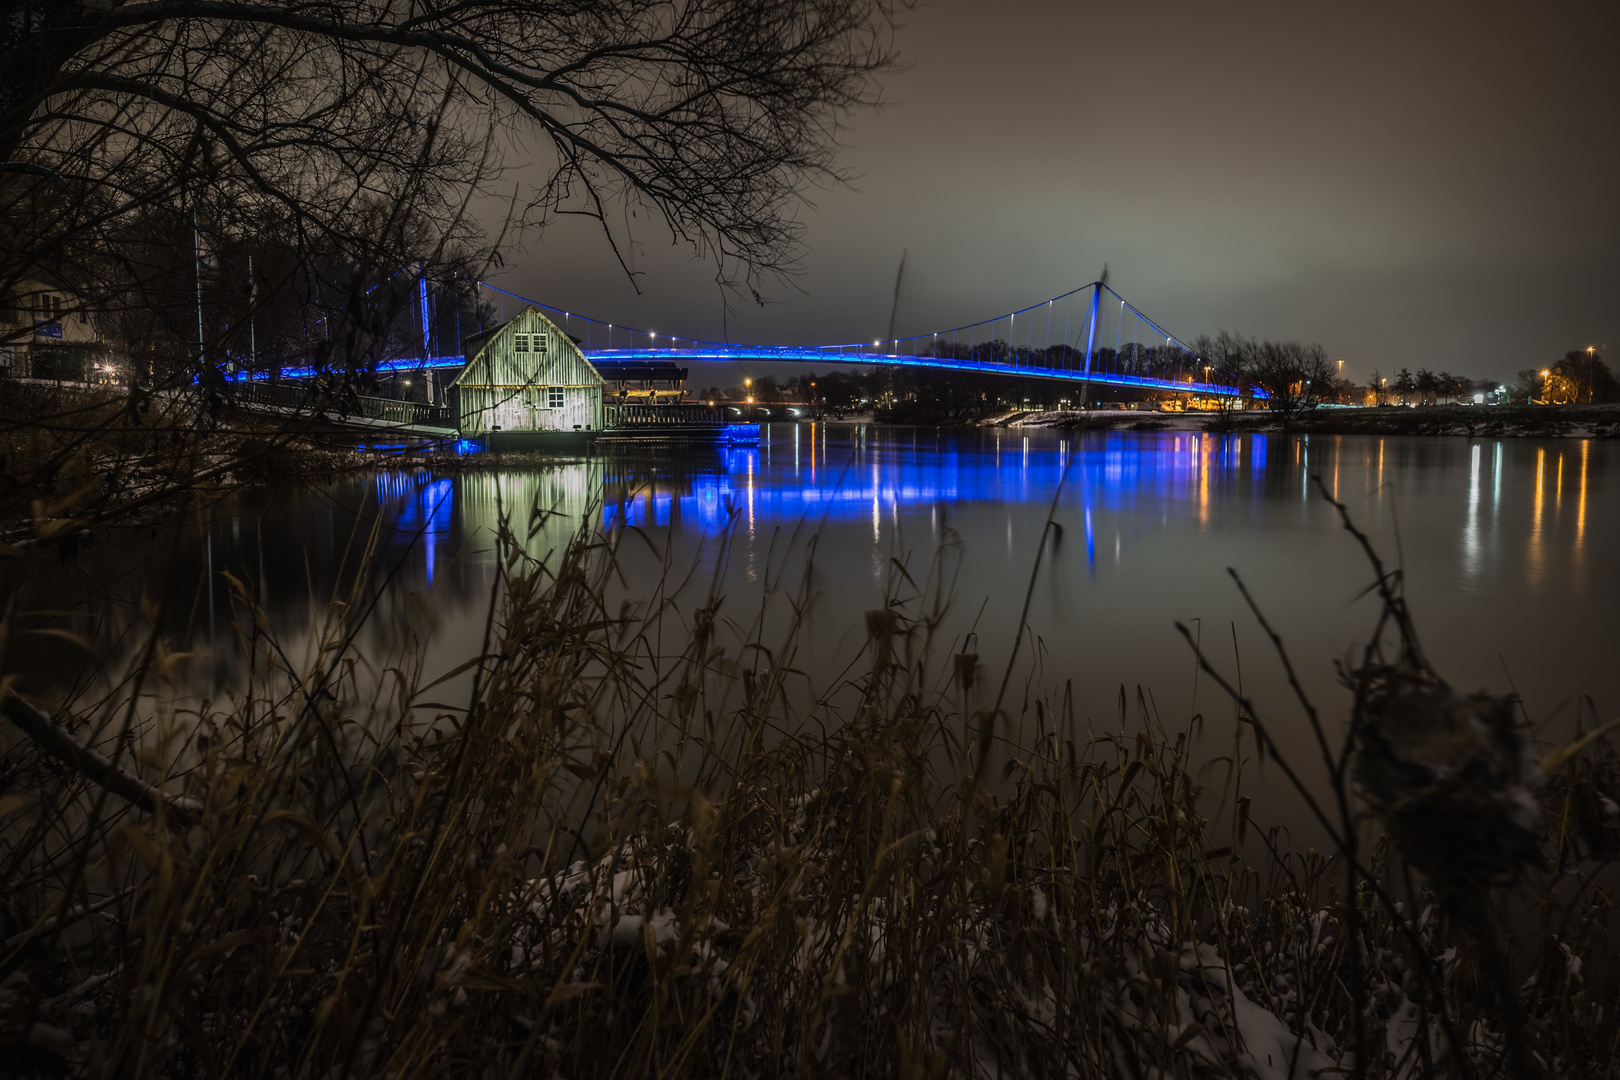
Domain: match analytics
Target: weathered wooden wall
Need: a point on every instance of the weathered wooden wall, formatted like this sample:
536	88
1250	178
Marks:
506	389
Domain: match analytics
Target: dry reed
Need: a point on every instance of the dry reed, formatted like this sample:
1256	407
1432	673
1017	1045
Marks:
614	857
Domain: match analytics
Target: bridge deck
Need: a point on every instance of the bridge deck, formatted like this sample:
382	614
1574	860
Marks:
836	356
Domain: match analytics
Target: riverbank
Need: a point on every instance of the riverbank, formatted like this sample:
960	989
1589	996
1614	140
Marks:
75	457
1480	421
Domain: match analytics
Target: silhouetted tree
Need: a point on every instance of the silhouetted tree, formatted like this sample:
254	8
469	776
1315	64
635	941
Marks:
1295	376
142	143
1579	376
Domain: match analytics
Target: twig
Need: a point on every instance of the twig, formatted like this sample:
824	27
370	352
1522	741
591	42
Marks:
182	810
66	919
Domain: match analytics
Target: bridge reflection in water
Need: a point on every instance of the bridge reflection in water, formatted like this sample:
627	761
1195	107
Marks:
798	477
1520	509
802	481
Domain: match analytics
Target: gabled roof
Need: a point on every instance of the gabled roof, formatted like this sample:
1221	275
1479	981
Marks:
471	345
474	348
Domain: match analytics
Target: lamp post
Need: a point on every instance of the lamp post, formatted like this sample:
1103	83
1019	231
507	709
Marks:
1591	362
1545	396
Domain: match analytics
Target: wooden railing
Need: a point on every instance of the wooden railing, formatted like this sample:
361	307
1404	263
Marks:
309	398
685	415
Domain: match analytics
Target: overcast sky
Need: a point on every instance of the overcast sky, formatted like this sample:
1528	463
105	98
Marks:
1413	184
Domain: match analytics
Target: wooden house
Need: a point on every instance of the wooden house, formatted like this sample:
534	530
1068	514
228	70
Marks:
526	376
526	385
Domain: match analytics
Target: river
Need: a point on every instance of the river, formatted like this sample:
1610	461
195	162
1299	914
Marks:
1510	552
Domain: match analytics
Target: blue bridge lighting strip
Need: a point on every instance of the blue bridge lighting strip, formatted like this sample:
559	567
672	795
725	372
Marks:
825	354
407	364
857	353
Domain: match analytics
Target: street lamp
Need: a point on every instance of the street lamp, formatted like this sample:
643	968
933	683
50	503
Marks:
1591	361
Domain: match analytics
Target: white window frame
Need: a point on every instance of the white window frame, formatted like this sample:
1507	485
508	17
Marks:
520	343
555	398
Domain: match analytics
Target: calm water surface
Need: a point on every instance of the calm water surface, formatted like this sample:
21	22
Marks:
1511	551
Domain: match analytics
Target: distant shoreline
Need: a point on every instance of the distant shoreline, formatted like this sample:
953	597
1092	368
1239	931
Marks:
1477	421
1474	421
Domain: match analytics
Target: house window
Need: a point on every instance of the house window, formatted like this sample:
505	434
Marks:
539	343
554	397
520	343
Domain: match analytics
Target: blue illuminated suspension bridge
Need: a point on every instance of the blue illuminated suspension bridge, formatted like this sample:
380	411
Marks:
1087	335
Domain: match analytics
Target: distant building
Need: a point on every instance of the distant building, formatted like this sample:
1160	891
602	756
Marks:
47	332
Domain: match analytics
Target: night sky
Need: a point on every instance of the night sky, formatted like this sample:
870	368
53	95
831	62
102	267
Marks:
1409	184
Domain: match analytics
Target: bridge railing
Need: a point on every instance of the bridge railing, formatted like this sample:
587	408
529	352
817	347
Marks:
683	415
307	397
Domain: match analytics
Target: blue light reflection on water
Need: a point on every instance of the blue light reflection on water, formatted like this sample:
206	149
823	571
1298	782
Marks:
787	480
423	508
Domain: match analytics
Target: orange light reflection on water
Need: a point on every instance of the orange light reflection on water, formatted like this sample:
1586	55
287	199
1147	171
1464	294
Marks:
1534	555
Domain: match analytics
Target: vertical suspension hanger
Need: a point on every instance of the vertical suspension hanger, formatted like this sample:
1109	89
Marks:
1068	309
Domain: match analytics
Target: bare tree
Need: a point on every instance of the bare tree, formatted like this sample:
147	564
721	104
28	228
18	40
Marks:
1294	376
712	113
141	141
